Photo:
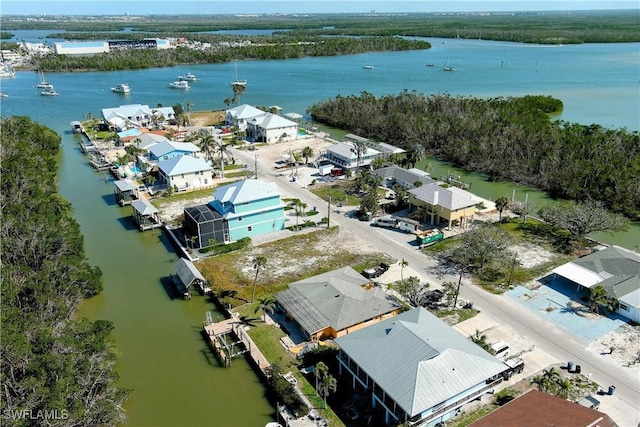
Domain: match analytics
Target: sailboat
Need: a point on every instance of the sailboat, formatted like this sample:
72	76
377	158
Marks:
42	82
448	67
368	66
236	81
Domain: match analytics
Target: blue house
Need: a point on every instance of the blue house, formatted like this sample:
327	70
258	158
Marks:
245	208
251	207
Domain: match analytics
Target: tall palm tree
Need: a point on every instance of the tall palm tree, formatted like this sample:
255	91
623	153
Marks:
359	148
320	371
258	262
327	385
306	153
501	206
267	305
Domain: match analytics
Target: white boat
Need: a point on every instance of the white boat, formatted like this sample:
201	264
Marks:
179	84
121	88
188	77
42	82
448	67
49	91
236	81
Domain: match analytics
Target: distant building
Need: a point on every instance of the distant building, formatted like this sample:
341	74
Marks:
416	368
616	269
535	408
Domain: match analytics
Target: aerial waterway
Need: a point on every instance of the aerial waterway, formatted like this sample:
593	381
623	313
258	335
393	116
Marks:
163	357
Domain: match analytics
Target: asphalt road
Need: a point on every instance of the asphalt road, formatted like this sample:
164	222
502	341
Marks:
536	330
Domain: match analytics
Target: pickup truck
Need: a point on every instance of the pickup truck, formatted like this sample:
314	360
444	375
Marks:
377	271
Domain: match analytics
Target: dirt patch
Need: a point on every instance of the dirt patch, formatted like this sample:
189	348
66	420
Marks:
530	255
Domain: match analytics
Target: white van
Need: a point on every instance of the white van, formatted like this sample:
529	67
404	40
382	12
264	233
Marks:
385	221
500	349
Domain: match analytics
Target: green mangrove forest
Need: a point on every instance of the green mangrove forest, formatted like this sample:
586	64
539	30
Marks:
504	138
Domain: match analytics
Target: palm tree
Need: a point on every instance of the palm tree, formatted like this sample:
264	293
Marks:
501	206
320	371
404	263
306	153
548	381
267	305
598	297
258	262
481	339
359	148
328	385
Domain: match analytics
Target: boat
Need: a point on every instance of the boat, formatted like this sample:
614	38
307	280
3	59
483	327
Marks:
49	91
236	81
121	88
42	82
448	67
179	84
188	77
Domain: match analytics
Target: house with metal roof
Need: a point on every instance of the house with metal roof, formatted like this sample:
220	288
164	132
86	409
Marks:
270	127
451	205
335	303
244	208
136	115
405	177
417	368
616	269
166	149
535	408
185	172
344	155
240	116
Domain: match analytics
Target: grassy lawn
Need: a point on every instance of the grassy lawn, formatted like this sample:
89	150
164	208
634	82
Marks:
501	272
340	193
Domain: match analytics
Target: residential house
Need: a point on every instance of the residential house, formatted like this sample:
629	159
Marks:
245	208
241	115
335	303
616	269
405	177
185	172
344	155
165	150
437	204
271	128
535	408
416	368
136	115
385	150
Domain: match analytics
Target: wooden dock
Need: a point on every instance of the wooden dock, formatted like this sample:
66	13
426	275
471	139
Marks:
218	332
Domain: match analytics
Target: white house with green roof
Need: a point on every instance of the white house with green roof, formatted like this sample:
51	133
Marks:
616	269
418	369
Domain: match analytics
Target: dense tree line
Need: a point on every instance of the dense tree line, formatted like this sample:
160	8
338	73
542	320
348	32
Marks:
505	138
614	26
53	364
223	49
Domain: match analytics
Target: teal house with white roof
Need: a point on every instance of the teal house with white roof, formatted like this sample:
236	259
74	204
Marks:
246	208
249	208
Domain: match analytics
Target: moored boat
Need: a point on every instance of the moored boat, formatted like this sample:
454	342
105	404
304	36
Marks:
179	84
188	77
121	88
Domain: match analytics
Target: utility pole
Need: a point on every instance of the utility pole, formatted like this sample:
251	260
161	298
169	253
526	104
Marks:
329	207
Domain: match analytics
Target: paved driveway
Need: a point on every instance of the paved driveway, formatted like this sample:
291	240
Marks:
562	303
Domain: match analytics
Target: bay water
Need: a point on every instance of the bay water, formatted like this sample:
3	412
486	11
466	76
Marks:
163	357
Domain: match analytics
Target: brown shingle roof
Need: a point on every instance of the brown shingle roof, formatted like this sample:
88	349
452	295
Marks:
526	411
